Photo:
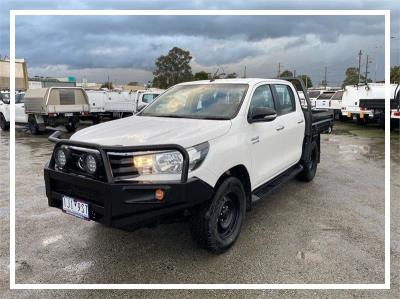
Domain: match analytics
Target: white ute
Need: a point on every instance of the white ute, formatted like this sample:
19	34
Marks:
203	149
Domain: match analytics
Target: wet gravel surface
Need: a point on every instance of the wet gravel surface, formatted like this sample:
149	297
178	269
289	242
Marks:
328	231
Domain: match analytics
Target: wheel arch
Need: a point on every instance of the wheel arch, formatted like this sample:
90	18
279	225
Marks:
240	172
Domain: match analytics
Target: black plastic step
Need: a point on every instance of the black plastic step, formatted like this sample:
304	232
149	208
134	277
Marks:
268	187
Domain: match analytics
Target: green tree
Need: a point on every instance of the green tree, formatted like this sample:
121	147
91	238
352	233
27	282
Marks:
395	74
286	73
352	77
173	68
202	75
107	85
306	80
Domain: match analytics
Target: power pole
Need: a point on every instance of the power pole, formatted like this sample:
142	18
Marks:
244	75
325	82
279	69
366	71
294	73
359	66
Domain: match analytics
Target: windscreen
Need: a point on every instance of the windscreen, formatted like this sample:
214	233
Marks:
202	101
5	97
313	94
338	95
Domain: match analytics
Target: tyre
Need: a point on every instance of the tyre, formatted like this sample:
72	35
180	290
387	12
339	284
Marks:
4	125
71	126
308	173
33	125
217	224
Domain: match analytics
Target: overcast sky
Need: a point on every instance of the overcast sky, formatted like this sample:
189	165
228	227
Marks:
125	47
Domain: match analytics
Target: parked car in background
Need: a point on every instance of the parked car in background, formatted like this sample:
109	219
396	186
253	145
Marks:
313	95
5	108
330	100
205	149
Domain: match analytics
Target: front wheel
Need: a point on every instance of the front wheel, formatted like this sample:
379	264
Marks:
4	125
310	168
217	224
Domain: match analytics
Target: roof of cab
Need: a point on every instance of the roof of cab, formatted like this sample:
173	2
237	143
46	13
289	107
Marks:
235	81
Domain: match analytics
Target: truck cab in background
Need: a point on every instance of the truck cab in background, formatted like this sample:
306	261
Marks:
146	97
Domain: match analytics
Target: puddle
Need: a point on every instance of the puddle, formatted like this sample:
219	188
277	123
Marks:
79	268
51	240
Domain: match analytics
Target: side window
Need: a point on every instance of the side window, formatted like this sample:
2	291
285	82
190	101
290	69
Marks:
262	97
285	98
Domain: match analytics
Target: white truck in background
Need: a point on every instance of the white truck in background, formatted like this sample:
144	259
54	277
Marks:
118	104
42	107
366	103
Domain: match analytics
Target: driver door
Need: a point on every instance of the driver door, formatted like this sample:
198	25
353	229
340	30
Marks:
263	138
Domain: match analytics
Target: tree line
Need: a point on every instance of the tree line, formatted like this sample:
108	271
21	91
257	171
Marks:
175	68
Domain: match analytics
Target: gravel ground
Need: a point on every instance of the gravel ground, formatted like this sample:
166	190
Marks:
328	231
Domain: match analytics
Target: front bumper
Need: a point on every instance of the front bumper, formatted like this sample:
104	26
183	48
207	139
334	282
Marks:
127	204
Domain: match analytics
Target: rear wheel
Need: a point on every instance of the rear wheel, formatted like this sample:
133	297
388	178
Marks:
4	125
33	125
310	168
217	224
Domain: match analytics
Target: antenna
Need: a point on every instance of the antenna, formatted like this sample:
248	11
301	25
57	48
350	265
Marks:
359	66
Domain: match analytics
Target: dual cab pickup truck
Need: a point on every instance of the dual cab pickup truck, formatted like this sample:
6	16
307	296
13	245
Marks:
206	149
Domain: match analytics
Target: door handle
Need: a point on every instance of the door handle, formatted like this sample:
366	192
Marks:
280	128
255	140
300	121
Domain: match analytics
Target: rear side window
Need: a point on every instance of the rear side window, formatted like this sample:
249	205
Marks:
262	97
285	98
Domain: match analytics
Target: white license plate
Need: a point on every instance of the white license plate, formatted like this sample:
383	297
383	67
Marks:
68	114
75	207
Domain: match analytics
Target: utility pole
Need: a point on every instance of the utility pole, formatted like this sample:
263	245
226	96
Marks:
359	66
366	71
294	73
279	69
244	74
325	82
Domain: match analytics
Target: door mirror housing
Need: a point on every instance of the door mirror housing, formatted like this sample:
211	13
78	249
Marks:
262	114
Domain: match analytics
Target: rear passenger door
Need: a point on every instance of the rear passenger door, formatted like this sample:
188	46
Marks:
291	125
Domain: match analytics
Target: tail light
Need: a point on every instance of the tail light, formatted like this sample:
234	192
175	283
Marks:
362	108
84	113
397	113
52	114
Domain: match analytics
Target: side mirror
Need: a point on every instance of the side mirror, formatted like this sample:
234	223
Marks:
262	114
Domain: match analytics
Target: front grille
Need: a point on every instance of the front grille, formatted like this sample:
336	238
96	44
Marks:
122	165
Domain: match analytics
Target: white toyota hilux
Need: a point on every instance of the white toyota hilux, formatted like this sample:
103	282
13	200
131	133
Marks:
206	150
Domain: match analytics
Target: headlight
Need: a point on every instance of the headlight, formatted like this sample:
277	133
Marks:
90	163
60	157
170	162
159	163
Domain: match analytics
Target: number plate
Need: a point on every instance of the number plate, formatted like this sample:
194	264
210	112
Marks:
75	207
68	114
